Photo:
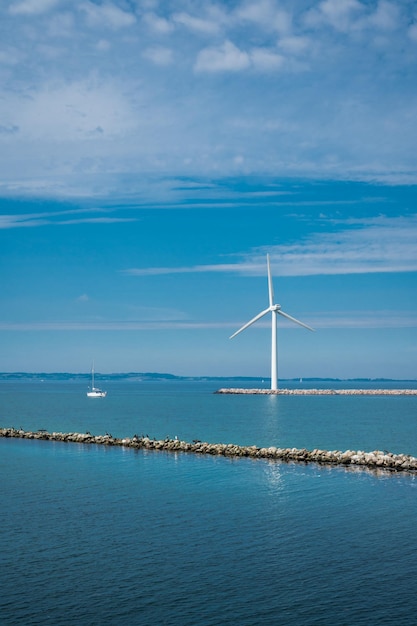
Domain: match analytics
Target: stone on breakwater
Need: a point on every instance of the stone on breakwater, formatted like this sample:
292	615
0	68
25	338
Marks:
320	392
352	458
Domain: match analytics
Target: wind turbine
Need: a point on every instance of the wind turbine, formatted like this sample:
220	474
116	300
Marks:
276	310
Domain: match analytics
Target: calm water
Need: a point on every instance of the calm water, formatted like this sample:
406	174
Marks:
96	535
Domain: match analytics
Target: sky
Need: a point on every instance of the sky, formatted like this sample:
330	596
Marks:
152	153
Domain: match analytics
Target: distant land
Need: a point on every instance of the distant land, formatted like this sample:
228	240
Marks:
154	376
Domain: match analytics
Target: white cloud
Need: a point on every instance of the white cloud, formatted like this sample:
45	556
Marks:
197	24
294	44
32	7
412	32
352	16
265	14
70	111
103	45
340	14
61	25
229	58
107	14
159	55
158	24
386	16
10	55
266	60
224	58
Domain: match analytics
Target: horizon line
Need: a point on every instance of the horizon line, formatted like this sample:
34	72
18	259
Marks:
87	374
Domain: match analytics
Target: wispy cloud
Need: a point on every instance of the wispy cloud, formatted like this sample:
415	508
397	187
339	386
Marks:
96	220
363	246
364	319
320	320
330	320
367	246
193	269
34	220
111	326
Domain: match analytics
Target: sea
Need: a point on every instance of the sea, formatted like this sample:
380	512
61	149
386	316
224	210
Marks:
99	535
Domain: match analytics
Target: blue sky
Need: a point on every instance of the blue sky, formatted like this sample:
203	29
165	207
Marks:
152	154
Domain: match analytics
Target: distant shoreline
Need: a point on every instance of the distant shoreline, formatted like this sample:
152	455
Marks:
320	392
162	376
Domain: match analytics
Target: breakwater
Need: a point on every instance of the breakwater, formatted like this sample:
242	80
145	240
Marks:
376	460
322	392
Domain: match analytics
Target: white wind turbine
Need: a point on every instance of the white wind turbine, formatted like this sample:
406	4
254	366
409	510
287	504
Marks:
276	310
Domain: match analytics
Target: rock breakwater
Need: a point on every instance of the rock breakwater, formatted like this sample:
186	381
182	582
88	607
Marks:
322	392
376	460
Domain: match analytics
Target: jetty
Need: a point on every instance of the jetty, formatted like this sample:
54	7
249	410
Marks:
354	459
321	392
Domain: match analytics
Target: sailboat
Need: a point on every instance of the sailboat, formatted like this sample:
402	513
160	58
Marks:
95	392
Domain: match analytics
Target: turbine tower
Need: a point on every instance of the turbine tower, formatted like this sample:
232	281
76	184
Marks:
276	310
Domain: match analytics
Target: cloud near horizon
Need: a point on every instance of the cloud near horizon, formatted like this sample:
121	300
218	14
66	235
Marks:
321	320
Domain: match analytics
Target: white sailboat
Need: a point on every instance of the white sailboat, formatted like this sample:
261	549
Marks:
95	392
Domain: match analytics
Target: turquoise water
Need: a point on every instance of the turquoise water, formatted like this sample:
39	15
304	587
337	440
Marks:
96	535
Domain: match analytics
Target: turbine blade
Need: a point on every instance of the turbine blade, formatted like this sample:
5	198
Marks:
294	320
270	285
252	321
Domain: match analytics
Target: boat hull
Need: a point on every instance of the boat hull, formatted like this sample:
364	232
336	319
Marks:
96	393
